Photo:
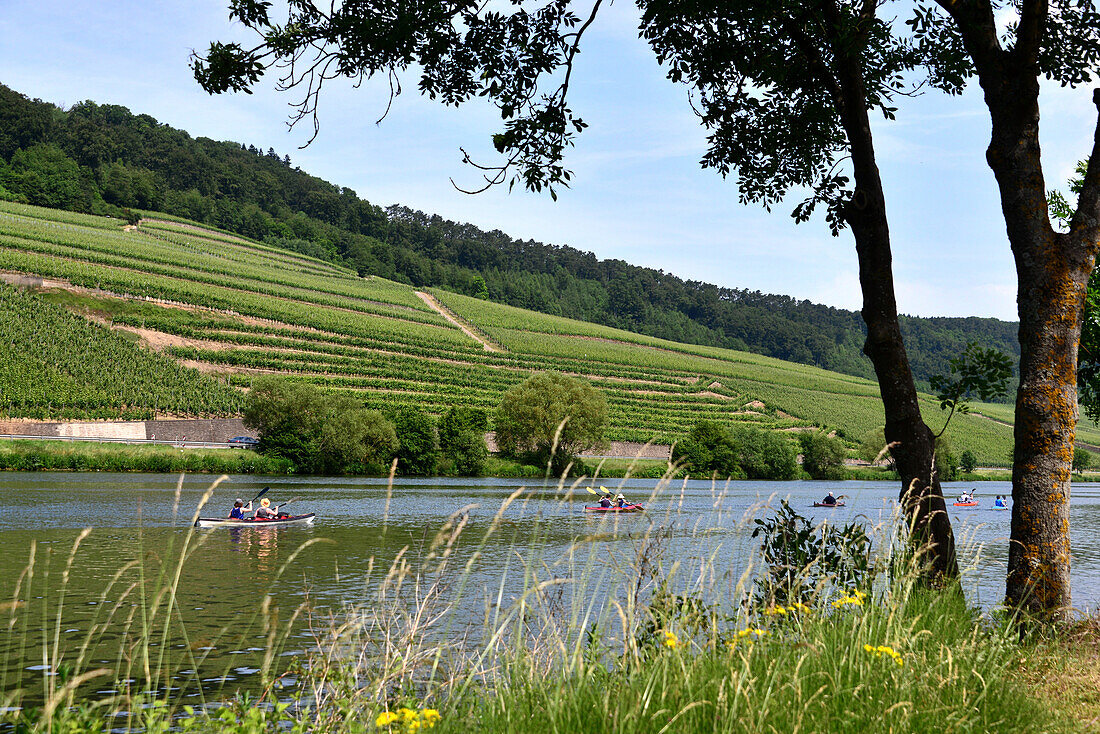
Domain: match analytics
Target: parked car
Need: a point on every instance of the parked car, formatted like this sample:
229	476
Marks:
244	441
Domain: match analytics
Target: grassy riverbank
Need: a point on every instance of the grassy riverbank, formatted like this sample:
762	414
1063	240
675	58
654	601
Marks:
32	455
646	642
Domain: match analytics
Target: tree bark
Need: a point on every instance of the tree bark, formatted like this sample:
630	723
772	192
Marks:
911	442
1052	272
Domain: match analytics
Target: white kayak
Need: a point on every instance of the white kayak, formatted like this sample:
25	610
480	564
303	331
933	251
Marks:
277	522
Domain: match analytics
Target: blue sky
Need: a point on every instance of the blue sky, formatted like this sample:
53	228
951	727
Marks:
638	194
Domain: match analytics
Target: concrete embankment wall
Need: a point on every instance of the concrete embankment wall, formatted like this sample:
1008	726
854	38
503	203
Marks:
213	430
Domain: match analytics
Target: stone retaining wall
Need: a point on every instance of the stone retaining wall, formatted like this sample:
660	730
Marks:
213	430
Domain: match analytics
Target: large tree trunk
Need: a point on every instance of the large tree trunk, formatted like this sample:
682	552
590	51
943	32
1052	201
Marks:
1052	273
1052	280
911	442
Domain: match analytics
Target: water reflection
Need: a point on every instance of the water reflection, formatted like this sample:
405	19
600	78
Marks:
261	545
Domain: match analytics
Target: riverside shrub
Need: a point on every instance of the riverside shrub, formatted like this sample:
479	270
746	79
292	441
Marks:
319	432
765	454
822	455
531	414
710	449
418	453
462	441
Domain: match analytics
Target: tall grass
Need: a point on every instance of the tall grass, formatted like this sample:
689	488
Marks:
639	641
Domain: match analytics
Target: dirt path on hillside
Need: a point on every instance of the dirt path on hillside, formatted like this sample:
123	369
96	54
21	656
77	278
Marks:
467	329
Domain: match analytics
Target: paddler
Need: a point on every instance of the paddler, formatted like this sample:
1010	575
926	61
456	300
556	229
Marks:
237	513
620	501
264	511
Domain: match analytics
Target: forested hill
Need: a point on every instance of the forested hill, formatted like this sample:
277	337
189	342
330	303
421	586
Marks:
104	159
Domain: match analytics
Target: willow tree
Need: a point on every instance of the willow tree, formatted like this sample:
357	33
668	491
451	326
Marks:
786	87
1058	40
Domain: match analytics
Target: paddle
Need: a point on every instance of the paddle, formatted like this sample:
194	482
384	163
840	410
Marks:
261	494
284	504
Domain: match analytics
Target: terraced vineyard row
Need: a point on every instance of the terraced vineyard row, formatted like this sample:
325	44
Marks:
138	251
240	309
57	364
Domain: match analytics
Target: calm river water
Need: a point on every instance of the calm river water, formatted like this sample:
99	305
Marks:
135	518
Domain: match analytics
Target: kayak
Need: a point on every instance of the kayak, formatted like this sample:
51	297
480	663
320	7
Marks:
282	522
996	507
624	508
966	504
825	504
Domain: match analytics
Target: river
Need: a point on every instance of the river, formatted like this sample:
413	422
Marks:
695	529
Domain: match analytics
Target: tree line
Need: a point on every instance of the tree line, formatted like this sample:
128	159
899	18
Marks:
104	159
547	421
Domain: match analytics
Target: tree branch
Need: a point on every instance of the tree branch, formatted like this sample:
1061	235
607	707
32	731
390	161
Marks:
812	54
1029	33
574	48
978	29
1085	224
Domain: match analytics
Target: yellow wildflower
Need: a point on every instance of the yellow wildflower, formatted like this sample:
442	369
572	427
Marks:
855	599
385	719
775	611
747	636
798	607
886	650
671	640
429	717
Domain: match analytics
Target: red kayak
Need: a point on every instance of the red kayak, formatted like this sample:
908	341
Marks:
966	504
825	504
624	508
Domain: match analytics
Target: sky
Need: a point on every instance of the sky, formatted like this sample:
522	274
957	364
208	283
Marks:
639	193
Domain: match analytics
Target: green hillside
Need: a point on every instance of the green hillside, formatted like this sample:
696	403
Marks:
104	159
233	309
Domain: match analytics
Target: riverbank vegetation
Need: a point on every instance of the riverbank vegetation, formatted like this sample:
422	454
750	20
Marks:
50	455
844	640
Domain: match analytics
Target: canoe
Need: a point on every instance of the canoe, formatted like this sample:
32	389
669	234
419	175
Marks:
966	504
224	522
825	504
624	508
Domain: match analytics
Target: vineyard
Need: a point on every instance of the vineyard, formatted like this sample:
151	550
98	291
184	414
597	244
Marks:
214	311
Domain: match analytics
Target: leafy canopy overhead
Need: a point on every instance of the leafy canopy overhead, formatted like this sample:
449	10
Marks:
765	72
1061	38
521	61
